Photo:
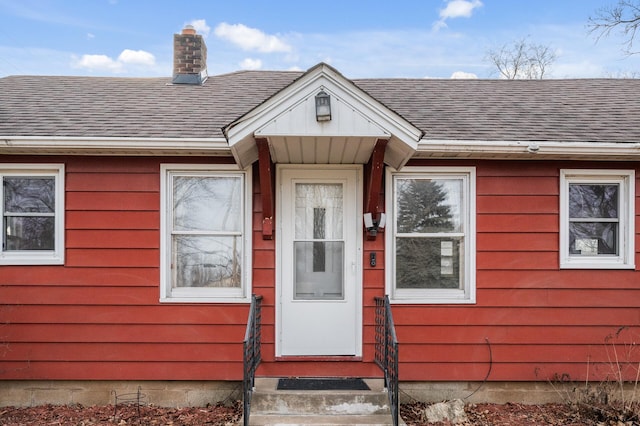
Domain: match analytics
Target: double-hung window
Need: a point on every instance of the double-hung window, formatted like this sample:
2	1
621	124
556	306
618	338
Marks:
32	209
431	239
206	244
597	219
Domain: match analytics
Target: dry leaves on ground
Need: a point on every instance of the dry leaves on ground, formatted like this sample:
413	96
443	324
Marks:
512	414
123	415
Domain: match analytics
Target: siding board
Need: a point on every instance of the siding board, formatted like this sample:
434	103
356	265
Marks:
79	276
108	220
112	239
519	186
62	295
545	204
517	223
122	315
118	352
534	354
129	370
119	258
503	371
508	316
119	201
517	241
559	298
508	260
515	335
113	182
568	279
126	333
128	166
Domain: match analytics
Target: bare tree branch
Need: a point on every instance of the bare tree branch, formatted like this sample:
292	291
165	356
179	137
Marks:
522	60
623	17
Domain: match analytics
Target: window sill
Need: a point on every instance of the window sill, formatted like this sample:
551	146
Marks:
32	261
596	265
430	301
190	300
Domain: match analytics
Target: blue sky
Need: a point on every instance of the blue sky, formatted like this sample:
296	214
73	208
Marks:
362	39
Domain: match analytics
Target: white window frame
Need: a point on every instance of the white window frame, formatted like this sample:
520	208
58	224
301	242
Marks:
466	295
196	294
37	257
626	250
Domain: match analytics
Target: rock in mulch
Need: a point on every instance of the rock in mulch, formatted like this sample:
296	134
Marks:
451	411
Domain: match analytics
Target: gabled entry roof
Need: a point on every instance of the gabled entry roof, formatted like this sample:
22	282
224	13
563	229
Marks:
288	121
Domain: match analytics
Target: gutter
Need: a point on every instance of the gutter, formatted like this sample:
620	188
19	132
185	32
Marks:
62	145
528	150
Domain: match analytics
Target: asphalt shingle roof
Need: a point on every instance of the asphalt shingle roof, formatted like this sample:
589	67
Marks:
584	110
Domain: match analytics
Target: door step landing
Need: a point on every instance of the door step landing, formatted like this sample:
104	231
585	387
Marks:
271	406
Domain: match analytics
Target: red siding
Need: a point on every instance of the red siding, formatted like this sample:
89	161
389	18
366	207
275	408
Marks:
98	316
532	321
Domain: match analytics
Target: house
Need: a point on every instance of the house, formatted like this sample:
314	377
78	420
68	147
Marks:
140	215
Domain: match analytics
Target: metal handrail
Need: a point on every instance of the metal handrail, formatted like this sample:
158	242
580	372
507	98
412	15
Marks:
251	353
386	353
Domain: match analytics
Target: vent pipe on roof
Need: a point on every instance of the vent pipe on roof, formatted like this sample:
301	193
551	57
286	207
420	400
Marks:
189	57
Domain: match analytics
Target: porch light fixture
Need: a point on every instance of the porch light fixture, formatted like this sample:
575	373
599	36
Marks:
323	106
373	225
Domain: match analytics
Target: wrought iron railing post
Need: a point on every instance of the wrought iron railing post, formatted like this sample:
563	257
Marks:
251	353
386	352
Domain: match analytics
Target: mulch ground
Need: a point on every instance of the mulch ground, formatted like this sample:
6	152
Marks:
77	415
478	414
529	415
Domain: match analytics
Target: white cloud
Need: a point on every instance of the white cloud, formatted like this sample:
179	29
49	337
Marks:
456	9
461	75
105	63
137	57
251	64
90	36
459	9
201	27
251	39
98	63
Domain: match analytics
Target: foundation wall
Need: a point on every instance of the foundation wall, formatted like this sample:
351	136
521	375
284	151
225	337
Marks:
159	393
202	393
478	392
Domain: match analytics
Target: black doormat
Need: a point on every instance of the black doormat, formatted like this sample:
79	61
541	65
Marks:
322	384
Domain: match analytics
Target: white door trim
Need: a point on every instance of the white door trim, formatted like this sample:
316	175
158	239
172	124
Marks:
320	170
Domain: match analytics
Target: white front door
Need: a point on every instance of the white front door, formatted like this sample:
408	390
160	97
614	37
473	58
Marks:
320	261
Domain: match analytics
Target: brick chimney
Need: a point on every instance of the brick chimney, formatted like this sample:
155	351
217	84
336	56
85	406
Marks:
189	57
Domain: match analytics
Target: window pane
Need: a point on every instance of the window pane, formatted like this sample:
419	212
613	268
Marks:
29	194
207	203
592	239
29	233
319	270
593	201
429	205
205	261
429	263
318	211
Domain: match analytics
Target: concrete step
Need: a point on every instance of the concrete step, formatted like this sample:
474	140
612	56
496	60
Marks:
270	406
351	420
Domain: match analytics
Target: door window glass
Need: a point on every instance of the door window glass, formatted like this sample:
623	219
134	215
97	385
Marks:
318	242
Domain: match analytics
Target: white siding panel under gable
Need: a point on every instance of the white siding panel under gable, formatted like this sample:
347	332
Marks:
301	120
